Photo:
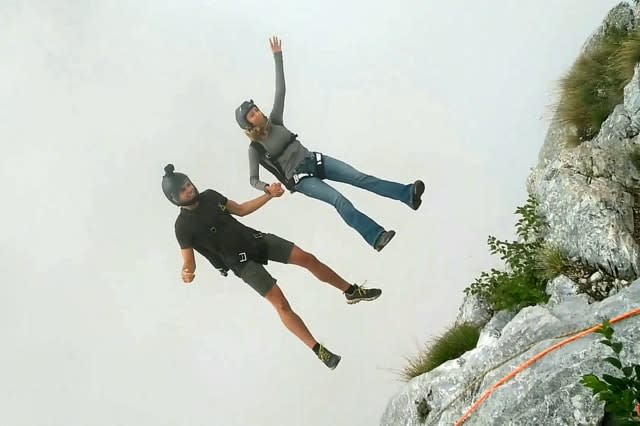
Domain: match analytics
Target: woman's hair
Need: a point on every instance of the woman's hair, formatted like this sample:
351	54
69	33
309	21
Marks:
257	133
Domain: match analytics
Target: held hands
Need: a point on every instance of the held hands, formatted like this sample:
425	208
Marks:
275	189
187	276
276	44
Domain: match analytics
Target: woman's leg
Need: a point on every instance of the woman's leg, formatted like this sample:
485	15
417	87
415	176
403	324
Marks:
340	171
320	190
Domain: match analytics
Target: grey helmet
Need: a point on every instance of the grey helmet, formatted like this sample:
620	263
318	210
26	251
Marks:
172	185
241	114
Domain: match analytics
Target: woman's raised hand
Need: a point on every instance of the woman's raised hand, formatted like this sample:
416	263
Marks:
276	44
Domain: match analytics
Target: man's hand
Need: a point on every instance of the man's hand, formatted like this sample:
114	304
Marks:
275	189
276	45
187	276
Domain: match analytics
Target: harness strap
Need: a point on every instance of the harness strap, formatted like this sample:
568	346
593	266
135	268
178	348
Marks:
319	170
242	256
270	163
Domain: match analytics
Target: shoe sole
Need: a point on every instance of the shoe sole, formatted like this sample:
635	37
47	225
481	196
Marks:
334	367
368	299
387	243
418	194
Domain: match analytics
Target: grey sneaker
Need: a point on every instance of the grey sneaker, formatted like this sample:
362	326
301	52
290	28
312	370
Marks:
384	239
416	194
362	294
329	359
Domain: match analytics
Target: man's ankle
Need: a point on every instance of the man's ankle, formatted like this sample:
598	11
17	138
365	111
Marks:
351	289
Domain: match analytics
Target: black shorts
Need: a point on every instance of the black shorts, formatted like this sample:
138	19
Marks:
254	274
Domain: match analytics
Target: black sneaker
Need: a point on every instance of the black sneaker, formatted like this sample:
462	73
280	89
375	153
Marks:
329	359
384	239
416	194
362	294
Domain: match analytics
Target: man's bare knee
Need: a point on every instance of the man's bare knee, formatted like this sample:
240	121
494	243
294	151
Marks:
310	260
302	258
277	299
282	306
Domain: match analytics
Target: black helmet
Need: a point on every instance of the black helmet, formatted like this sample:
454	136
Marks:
241	114
172	184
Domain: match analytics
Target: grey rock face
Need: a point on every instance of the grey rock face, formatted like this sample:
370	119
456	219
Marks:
562	289
493	329
587	194
546	393
473	311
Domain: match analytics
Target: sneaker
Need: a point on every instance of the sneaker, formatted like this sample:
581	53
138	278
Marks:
416	194
362	294
384	239
329	359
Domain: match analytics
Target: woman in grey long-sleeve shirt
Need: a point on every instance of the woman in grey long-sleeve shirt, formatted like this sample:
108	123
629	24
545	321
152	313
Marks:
278	150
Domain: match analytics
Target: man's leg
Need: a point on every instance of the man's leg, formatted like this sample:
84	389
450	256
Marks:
260	279
353	293
284	251
289	318
318	269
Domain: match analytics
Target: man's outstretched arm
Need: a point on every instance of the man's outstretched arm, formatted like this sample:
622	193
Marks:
248	207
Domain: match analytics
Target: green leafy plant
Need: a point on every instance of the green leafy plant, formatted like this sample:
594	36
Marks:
621	394
522	284
453	343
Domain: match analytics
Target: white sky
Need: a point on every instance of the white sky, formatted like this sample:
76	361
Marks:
96	97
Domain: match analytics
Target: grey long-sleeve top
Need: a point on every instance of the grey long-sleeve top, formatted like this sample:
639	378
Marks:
289	157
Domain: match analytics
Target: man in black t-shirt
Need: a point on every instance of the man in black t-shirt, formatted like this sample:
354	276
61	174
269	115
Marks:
205	224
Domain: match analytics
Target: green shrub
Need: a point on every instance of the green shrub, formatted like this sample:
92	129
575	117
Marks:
551	262
518	290
621	394
523	283
594	84
453	343
626	57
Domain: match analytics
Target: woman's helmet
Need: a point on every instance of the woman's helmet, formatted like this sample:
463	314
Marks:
241	114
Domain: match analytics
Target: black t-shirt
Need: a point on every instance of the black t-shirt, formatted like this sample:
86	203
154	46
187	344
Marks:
212	231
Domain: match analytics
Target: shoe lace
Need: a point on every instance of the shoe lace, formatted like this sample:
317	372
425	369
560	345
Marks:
360	289
323	354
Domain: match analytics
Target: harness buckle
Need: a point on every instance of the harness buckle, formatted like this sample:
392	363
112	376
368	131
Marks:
243	256
298	176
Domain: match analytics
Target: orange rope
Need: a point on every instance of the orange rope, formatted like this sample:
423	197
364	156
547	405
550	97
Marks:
530	361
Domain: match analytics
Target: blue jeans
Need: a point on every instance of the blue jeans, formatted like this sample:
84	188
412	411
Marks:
339	171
